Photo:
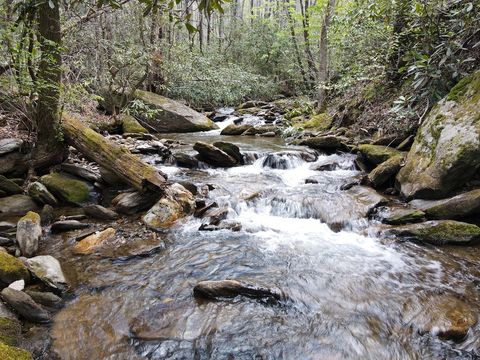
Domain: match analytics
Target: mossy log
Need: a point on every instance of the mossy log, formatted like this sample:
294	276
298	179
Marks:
117	159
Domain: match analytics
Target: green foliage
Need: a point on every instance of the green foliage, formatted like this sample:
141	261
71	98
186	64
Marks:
137	108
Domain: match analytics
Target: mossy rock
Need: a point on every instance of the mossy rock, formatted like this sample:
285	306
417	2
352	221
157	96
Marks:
386	171
440	232
130	125
10	331
319	122
377	154
404	216
12	269
12	353
446	151
67	188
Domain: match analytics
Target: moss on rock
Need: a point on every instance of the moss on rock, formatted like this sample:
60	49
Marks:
131	125
13	353
10	331
67	188
12	269
377	154
320	122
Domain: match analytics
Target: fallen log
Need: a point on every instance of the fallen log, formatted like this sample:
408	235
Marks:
117	159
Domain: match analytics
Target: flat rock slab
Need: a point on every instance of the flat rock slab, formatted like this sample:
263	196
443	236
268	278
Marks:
67	225
24	305
232	288
100	212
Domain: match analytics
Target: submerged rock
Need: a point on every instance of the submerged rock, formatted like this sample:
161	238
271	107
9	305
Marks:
446	151
100	212
213	155
185	160
440	232
67	188
172	116
177	203
377	154
233	129
385	171
48	270
16	205
29	232
67	225
40	194
12	269
232	288
134	202
45	298
24	305
89	244
460	206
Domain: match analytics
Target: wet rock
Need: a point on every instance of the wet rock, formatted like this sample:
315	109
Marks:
89	244
189	186
231	288
48	270
311	181
386	171
100	212
67	188
259	130
172	116
24	305
230	149
47	299
213	155
131	125
186	160
460	206
18	285
67	225
5	241
133	202
10	145
231	225
441	232
29	233
324	143
404	216
40	194
445	316
251	104
368	197
268	134
201	211
217	215
47	215
377	154
16	205
446	151
12	269
9	187
235	129
177	203
81	172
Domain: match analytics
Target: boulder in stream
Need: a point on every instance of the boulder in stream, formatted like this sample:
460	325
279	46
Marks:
12	269
40	194
133	202
446	151
67	225
16	205
231	149
233	129
89	244
48	270
327	143
24	305
377	154
404	216
214	156
172	116
29	232
231	288
99	212
67	188
385	171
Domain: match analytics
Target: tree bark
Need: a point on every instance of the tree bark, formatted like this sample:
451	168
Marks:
128	167
323	68
49	148
291	23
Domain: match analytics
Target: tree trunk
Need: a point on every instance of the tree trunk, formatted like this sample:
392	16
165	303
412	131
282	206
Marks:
291	23
312	70
49	148
323	69
128	167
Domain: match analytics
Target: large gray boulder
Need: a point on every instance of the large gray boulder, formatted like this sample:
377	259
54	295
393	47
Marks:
172	116
48	269
29	233
446	151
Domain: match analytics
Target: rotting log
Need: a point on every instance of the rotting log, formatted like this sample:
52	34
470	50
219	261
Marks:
117	159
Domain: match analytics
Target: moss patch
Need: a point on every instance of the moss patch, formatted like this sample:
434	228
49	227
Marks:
13	353
10	331
443	232
67	188
132	126
12	269
321	121
377	154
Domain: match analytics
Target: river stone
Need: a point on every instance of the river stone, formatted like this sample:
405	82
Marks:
233	129
67	225
130	125
445	316
100	212
81	172
10	331
260	129
172	116
45	298
17	285
24	305
40	194
385	171
231	149
16	205
9	187
29	233
457	207
213	155
441	232
185	160
404	216
10	145
13	353
48	270
446	151
324	143
377	154
232	288
177	203
89	244
133	202
67	188
13	164
12	269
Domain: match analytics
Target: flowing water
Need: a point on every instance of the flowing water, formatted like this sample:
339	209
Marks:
351	295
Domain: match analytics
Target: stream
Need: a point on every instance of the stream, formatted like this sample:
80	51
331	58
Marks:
351	294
